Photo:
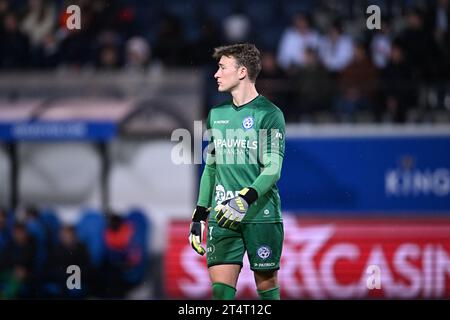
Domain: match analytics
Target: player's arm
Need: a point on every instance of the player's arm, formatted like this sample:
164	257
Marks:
271	173
272	153
207	181
231	212
201	212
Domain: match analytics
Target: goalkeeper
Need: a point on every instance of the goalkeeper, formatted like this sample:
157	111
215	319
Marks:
238	196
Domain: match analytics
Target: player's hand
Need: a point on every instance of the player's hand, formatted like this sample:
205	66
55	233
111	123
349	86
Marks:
197	229
230	213
196	236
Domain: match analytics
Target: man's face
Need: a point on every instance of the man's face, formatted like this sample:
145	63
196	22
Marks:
228	74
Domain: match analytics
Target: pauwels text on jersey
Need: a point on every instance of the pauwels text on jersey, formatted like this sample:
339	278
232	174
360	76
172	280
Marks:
237	146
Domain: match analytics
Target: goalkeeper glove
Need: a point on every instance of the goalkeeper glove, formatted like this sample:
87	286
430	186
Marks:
197	228
232	211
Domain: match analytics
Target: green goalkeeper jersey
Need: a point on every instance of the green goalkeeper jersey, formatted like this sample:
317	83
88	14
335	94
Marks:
246	149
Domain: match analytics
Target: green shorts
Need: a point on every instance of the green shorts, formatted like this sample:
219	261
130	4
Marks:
262	241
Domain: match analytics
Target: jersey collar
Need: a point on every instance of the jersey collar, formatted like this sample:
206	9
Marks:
245	104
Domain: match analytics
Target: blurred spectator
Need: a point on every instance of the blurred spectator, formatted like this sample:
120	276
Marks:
295	40
170	43
108	58
380	46
76	46
17	265
272	80
34	34
4	9
76	49
41	234
49	56
398	87
335	49
357	84
5	234
419	46
439	21
70	251
109	54
138	54
105	14
439	25
323	16
236	28
14	46
39	21
313	87
210	37
120	257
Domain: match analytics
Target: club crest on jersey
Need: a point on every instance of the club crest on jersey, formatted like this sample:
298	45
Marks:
264	252
248	123
220	193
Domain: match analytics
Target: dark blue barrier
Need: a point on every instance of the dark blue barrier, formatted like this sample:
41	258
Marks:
386	174
391	175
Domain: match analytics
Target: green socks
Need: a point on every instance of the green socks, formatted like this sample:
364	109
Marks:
222	291
271	294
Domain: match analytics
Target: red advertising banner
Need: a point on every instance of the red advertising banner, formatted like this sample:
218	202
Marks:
346	258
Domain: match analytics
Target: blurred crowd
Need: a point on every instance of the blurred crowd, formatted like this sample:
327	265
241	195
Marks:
320	61
41	257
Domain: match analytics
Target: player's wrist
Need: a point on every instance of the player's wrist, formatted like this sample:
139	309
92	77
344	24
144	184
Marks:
200	214
249	195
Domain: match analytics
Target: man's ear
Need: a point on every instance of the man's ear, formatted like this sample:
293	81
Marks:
242	72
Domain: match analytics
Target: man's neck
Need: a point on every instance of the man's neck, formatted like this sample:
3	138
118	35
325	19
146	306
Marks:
244	94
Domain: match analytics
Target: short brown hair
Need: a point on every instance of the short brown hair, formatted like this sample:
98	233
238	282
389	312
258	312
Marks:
246	55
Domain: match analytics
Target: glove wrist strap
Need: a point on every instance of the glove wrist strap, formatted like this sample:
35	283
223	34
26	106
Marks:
249	194
200	214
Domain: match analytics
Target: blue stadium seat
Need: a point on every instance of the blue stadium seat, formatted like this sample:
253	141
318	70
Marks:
383	4
139	242
290	7
148	15
184	9
187	12
260	12
408	4
52	224
90	230
37	229
268	38
5	235
141	225
191	31
218	9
